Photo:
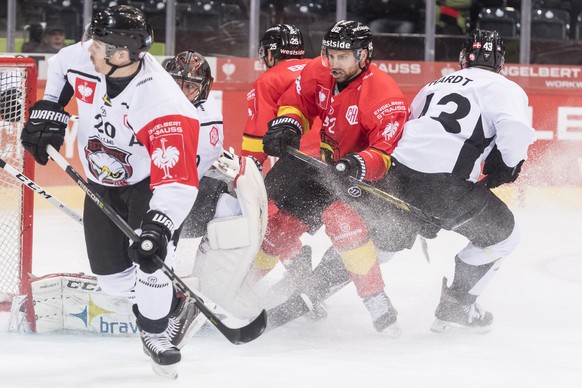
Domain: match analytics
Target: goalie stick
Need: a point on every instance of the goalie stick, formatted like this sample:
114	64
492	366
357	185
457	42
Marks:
25	181
237	336
400	204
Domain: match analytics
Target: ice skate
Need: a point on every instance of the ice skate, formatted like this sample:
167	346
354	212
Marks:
184	322
383	314
454	316
163	354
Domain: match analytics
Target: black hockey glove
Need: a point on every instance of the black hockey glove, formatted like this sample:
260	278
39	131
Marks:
46	125
155	233
10	106
351	165
497	171
282	131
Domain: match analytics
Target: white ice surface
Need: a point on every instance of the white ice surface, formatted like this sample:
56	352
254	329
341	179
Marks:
536	342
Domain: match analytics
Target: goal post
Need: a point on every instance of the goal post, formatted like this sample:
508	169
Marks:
18	91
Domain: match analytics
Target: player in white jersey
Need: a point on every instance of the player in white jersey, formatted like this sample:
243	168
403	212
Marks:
459	122
143	151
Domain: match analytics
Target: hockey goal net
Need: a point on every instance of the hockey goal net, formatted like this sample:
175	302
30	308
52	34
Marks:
18	78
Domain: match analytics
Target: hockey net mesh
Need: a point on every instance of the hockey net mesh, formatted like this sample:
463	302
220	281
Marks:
15	213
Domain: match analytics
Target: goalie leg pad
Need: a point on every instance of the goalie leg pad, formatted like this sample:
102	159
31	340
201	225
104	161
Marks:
75	302
222	262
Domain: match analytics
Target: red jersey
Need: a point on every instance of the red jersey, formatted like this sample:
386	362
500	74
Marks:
366	117
263	101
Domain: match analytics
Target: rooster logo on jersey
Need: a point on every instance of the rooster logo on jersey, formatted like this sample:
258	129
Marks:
84	90
389	131
108	165
165	158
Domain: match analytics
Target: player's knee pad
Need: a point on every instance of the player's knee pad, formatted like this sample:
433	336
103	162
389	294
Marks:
282	237
344	226
119	284
492	226
360	260
475	255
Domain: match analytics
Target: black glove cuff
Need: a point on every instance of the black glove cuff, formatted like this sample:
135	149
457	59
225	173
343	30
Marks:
353	165
49	111
157	221
289	121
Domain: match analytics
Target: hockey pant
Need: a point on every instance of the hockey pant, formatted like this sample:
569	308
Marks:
107	249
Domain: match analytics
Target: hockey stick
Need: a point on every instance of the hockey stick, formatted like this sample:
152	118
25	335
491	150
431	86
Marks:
397	202
235	335
25	181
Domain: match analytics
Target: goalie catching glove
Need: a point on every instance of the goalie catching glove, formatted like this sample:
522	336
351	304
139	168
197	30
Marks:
282	131
45	126
497	171
153	241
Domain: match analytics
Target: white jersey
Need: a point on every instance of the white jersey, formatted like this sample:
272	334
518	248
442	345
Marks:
456	120
149	130
210	117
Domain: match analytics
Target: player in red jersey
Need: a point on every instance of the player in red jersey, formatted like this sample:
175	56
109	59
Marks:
281	50
363	111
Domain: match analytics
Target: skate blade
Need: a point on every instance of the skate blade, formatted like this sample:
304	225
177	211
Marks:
393	331
169	372
450	327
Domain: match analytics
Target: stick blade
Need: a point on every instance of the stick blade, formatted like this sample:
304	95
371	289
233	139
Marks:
247	333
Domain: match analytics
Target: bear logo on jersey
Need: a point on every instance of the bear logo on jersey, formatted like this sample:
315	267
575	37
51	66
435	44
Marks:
85	90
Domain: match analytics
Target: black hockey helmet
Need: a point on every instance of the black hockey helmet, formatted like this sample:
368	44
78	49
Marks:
348	35
123	26
483	48
285	41
190	66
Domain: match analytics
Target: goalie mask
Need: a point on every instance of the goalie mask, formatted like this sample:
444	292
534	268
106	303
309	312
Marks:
191	71
348	35
284	41
122	26
483	48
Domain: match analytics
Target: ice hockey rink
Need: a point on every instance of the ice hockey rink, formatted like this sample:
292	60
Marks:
536	342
